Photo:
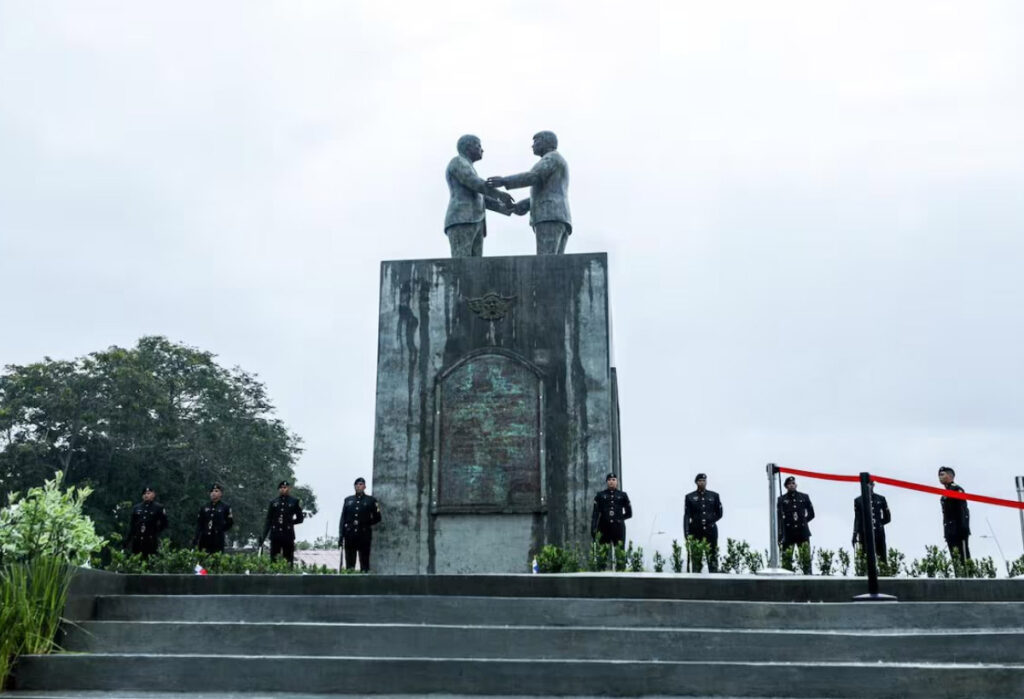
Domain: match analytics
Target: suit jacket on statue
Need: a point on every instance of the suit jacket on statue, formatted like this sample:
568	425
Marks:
548	181
468	198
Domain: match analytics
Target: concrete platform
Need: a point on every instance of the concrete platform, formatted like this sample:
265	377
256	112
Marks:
619	635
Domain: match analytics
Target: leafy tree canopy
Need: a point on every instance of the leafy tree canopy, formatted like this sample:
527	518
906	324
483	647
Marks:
158	414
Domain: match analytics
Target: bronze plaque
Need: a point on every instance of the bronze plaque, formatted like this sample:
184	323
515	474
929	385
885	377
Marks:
489	456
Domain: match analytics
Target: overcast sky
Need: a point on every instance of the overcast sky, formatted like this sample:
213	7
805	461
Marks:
813	214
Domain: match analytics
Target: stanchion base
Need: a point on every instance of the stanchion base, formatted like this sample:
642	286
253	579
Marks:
776	571
878	597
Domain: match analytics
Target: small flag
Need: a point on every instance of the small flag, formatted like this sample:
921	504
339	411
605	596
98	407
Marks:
199	570
536	568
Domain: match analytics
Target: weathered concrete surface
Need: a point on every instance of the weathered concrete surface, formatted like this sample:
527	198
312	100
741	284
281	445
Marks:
562	612
608	677
618	586
584	644
590	642
496	399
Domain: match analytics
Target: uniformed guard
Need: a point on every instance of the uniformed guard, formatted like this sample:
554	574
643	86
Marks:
359	513
215	519
880	516
794	511
956	517
611	510
149	518
282	516
701	512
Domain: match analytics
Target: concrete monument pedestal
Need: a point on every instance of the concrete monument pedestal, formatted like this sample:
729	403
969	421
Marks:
497	409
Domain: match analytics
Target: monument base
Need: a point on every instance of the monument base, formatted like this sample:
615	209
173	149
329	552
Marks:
497	415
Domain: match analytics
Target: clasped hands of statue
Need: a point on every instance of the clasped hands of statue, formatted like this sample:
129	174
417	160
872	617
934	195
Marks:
511	206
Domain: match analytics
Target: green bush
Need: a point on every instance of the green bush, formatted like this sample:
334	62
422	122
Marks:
755	560
677	557
787	557
635	559
553	559
171	560
805	557
1015	568
844	562
49	522
658	561
826	561
32	598
892	564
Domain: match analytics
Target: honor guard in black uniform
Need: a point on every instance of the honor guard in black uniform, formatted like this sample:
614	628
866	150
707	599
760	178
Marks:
214	520
880	516
701	512
611	510
956	518
359	513
149	518
794	511
282	516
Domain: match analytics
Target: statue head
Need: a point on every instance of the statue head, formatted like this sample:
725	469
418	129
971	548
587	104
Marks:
544	142
469	146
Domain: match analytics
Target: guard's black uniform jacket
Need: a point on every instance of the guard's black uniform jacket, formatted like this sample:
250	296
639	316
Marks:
956	523
611	510
880	516
148	520
700	514
794	511
214	520
359	513
283	514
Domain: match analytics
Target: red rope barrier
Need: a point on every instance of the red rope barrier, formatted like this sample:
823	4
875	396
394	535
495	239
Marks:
909	486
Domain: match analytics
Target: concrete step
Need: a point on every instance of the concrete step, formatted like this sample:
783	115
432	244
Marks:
511	611
790	588
540	642
313	675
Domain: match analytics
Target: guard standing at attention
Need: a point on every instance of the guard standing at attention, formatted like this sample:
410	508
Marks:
956	518
794	511
359	513
283	514
611	510
880	516
701	512
215	519
149	518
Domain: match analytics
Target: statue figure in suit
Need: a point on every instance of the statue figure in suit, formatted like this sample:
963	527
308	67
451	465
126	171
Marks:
469	196
548	203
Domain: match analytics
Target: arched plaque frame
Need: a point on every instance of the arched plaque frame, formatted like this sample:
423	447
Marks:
445	499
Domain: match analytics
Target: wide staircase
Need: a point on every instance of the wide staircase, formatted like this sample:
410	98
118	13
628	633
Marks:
601	635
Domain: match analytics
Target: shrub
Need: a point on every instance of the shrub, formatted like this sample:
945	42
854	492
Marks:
805	557
735	556
755	560
677	557
48	521
553	559
826	561
890	566
1015	568
32	598
635	559
658	561
171	560
786	557
844	562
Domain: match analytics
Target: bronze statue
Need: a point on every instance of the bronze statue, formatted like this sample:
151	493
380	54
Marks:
464	223
548	203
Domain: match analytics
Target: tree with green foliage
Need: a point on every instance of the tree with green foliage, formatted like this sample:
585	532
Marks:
159	414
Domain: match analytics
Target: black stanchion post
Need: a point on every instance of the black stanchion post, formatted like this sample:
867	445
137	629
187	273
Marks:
867	534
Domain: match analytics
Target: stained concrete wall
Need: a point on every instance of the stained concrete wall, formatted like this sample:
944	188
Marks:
553	318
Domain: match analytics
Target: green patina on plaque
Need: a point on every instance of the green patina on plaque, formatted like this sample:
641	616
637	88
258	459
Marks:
489	452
